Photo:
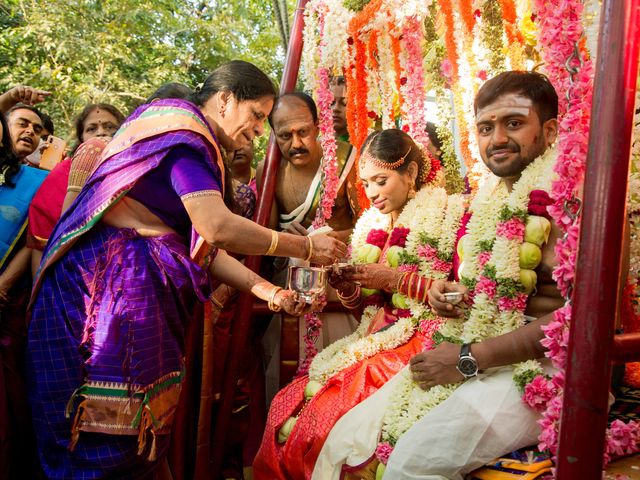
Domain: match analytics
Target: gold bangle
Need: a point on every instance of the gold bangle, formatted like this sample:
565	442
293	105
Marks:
308	259
274	243
350	298
272	306
353	305
399	282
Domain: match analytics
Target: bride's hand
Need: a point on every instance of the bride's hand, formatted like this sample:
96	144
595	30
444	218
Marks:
373	275
340	283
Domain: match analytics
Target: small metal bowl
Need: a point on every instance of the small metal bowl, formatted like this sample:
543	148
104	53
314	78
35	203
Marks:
308	282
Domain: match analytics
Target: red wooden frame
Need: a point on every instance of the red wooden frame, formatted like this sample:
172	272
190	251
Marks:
240	326
596	292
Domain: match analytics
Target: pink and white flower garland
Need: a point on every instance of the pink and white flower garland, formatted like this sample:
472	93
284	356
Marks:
328	141
414	92
560	32
330	180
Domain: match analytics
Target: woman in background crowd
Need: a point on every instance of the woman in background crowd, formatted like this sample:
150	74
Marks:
18	184
94	128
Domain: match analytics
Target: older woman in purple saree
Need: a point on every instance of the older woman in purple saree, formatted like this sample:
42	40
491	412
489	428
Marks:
117	281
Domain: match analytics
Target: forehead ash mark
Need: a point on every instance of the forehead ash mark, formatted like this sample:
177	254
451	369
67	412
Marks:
516	104
497	114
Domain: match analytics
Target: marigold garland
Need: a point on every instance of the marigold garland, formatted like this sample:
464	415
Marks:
358	119
515	40
446	10
465	8
396	49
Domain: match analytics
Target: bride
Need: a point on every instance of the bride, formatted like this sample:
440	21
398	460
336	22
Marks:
403	242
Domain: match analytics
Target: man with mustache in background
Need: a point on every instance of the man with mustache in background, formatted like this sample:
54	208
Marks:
294	120
25	127
299	187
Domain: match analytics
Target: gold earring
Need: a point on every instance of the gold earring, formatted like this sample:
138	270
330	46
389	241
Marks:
412	191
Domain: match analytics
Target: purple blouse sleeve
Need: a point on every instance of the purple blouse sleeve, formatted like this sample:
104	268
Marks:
189	173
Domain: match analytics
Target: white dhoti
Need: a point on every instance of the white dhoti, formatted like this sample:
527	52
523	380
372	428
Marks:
483	419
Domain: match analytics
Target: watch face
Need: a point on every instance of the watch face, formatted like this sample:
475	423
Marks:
467	366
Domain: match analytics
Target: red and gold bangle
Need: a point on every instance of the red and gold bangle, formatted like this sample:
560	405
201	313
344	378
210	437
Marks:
410	284
425	296
416	287
401	280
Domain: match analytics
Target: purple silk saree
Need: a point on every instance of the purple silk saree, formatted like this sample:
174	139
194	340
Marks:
109	308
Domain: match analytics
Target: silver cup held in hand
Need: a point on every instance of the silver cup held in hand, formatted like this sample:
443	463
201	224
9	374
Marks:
308	282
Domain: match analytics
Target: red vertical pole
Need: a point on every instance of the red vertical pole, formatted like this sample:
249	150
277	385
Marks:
584	412
240	326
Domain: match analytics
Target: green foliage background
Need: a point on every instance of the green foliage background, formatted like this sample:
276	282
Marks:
120	51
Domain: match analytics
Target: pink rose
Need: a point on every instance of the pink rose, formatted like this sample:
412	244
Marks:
408	267
622	439
446	68
377	237
519	302
538	392
428	328
441	265
399	236
539	200
483	258
383	452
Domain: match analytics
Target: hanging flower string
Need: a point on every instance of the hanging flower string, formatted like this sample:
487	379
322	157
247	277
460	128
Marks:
515	40
570	70
330	178
414	92
446	10
358	96
357	88
396	49
467	14
491	34
330	182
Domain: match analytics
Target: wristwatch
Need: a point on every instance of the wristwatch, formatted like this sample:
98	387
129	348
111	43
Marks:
467	364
